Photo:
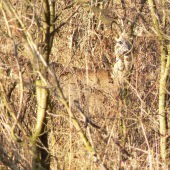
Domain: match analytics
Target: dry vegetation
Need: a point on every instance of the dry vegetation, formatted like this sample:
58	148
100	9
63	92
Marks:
124	132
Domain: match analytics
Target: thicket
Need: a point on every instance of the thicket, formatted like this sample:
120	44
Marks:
42	40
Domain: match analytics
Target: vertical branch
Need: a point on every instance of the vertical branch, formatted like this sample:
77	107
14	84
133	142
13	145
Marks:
52	23
162	86
46	30
42	93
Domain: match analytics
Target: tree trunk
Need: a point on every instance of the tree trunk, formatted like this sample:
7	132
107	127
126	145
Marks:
163	81
42	92
42	96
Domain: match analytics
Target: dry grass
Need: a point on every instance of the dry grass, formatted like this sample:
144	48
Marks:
126	134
